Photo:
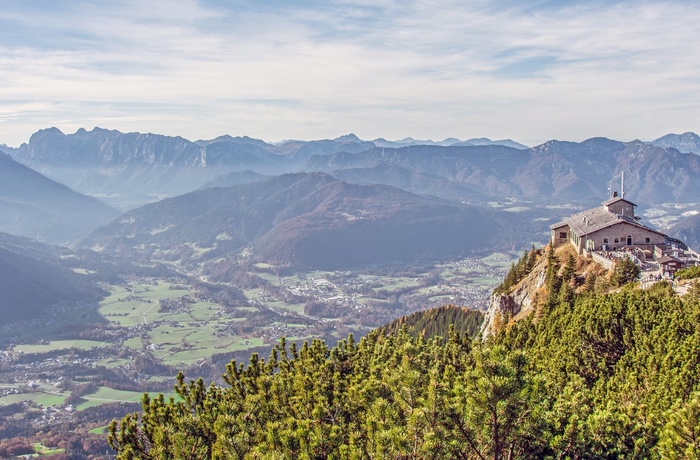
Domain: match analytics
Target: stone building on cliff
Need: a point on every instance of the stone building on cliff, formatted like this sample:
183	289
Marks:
612	226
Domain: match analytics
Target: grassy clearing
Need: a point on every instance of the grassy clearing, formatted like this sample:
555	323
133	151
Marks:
443	298
111	363
394	284
44	399
269	277
202	311
159	290
59	345
500	259
48	451
486	282
134	343
138	303
108	395
189	356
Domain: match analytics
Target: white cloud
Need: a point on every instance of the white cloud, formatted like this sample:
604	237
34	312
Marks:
381	68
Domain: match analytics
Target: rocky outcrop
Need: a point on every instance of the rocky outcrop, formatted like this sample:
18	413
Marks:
519	302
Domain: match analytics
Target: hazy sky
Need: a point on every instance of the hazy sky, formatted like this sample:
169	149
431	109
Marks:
306	69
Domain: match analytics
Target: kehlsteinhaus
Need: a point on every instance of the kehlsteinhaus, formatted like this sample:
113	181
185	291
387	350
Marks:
613	231
610	227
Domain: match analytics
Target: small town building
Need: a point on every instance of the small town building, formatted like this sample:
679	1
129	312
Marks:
669	264
613	226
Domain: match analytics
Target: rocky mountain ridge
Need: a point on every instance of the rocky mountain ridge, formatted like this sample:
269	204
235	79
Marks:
130	169
685	143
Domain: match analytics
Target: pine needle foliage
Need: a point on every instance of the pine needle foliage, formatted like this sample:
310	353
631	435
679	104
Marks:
688	273
612	375
437	322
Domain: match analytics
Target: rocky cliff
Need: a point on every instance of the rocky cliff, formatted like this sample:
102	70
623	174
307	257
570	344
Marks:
529	294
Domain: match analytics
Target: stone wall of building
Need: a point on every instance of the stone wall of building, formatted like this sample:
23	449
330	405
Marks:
621	208
621	232
560	235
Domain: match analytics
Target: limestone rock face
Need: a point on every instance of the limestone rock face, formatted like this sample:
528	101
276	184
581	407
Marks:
519	302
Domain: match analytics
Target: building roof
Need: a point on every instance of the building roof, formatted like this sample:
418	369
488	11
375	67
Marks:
592	220
666	259
563	223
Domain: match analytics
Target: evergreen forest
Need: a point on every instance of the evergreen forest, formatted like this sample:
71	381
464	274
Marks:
592	375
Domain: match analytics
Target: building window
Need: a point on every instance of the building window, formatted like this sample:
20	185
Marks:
647	240
617	240
562	235
605	241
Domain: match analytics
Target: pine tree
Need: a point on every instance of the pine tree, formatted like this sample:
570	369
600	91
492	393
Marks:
680	436
569	269
625	271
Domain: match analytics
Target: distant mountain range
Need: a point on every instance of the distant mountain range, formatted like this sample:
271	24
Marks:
552	172
687	229
684	143
131	169
306	220
128	169
134	168
409	141
35	206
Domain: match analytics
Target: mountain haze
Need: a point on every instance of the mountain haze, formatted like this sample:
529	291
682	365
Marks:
687	230
37	207
33	279
140	166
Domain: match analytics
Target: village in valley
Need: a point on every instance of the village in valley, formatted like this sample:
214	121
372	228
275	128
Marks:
100	359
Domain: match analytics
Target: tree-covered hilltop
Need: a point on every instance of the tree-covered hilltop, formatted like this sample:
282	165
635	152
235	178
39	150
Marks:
437	322
591	375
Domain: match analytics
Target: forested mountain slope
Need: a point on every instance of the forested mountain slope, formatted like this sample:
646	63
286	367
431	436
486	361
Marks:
438	322
612	375
33	280
307	220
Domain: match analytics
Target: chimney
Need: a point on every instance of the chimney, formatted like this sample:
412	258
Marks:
615	194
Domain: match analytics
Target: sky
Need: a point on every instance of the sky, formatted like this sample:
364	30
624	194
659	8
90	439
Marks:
526	70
